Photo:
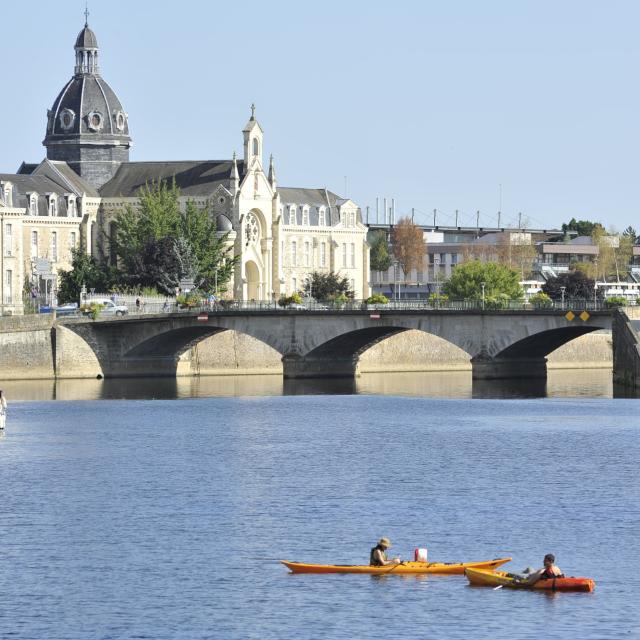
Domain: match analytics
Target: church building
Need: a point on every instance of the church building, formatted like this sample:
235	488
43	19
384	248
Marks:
70	199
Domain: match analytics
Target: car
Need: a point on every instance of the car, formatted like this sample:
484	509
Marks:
109	307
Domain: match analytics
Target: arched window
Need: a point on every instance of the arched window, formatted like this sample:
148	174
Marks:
34	245
305	216
321	217
33	205
256	147
53	205
292	214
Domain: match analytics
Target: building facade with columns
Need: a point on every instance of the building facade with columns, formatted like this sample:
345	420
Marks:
280	234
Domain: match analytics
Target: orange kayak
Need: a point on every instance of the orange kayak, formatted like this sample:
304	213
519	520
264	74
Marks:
484	578
404	568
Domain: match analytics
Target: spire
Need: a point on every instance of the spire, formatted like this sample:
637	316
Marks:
253	111
234	176
86	14
272	173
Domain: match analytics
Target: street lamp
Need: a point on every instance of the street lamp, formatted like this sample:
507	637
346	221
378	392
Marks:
483	285
562	290
436	268
395	279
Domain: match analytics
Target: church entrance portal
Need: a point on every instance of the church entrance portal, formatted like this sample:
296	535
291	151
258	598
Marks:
253	281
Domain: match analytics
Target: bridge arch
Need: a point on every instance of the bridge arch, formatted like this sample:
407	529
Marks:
339	355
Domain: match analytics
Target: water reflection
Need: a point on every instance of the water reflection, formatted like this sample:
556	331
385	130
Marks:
560	383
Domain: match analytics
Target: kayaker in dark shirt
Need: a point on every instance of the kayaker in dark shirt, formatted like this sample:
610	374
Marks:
378	556
548	571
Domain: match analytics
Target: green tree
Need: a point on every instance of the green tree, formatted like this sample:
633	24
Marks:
630	233
499	280
379	257
85	270
158	246
577	286
582	227
326	286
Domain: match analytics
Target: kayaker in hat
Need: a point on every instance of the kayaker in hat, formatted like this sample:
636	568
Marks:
548	571
378	557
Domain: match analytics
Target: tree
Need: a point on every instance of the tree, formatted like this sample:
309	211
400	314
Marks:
630	233
154	240
408	245
582	227
326	286
499	280
86	271
577	285
379	257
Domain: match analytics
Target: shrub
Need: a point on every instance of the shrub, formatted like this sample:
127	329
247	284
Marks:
287	301
92	309
615	301
501	301
541	301
377	298
188	300
438	298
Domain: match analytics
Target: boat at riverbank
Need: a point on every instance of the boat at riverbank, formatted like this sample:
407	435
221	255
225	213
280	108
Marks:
403	568
487	578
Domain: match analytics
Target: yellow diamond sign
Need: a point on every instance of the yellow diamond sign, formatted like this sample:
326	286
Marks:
584	316
569	315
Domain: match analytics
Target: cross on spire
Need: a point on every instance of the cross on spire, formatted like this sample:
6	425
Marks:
86	14
253	111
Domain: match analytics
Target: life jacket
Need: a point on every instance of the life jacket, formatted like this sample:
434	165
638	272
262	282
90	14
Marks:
373	556
550	573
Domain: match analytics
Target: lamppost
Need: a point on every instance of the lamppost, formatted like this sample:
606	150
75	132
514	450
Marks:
562	290
395	280
436	268
483	285
595	295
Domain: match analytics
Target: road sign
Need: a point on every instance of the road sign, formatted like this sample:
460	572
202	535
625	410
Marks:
569	315
42	266
203	317
584	316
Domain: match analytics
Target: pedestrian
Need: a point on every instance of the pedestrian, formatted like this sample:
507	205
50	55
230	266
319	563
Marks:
165	306
138	304
3	410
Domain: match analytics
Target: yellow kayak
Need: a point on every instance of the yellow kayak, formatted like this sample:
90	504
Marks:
483	578
404	568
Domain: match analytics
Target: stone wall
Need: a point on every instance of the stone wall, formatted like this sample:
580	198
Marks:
25	347
626	356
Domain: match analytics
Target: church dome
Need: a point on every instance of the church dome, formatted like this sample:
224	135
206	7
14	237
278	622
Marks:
86	39
87	105
87	125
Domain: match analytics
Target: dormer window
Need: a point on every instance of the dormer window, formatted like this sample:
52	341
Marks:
33	204
53	205
71	206
256	147
292	215
6	194
321	217
305	216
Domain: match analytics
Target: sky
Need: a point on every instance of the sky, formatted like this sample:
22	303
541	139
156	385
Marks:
528	107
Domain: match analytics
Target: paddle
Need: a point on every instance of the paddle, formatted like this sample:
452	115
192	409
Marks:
397	564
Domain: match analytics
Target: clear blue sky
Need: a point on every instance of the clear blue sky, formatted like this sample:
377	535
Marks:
435	103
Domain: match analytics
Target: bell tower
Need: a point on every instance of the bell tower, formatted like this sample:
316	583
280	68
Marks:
253	136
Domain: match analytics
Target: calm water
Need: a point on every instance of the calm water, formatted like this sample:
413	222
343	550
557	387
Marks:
166	518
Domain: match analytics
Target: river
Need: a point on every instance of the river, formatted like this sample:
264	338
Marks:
166	518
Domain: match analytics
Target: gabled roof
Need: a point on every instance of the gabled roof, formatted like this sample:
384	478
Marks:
62	174
193	178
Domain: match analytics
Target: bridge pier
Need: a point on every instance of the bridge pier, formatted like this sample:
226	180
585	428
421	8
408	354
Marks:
508	368
295	366
149	367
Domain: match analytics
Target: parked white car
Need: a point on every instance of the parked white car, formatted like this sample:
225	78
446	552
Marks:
109	307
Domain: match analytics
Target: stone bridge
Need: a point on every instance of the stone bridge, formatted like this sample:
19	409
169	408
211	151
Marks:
501	344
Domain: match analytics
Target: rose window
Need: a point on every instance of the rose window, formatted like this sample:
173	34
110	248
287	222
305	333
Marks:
252	229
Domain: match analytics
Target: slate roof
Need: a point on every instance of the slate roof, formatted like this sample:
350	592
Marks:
25	184
193	178
87	39
314	199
